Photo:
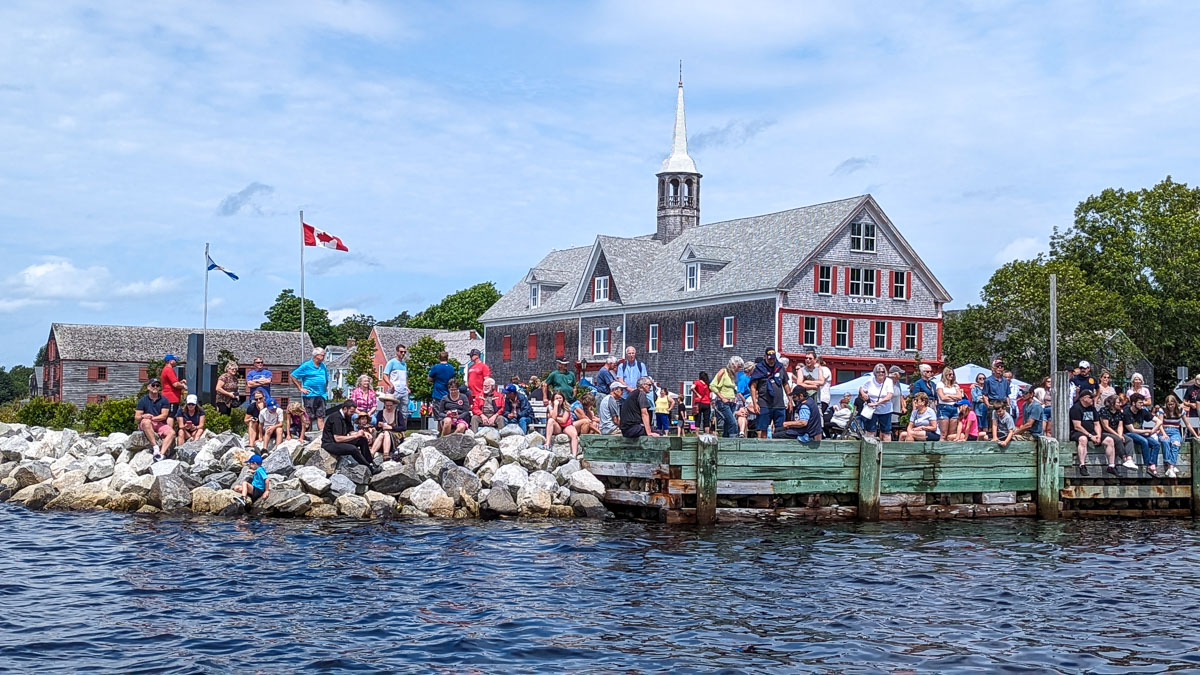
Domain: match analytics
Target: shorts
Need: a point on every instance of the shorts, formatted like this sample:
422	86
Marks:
160	428
877	422
634	431
933	436
1076	435
946	411
766	416
314	406
254	493
223	407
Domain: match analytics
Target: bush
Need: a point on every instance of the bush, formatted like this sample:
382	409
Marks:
217	423
42	412
8	412
110	417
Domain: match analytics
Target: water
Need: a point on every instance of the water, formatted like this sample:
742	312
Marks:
112	592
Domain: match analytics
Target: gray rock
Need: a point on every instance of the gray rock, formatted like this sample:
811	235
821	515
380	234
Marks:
13	448
536	459
533	500
82	497
423	495
35	496
511	430
583	481
510	477
70	479
223	478
460	478
289	503
322	510
479	455
454	446
562	455
126	503
357	473
499	502
323	461
561	439
66	463
563	495
226	503
488	470
292	483
292	447
30	472
188	451
7	468
169	492
545	480
535	439
562	473
490	435
167	467
410	510
99	466
353	506
136	441
414	442
382	506
511	447
279	461
340	485
313	480
396	479
431	463
141	461
588	506
139	487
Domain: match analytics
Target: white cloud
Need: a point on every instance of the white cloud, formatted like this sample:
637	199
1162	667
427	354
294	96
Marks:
60	280
1020	249
338	315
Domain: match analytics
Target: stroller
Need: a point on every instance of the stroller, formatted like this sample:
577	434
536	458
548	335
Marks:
841	423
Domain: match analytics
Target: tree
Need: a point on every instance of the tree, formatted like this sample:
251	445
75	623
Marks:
285	315
966	338
458	311
362	361
398	321
224	356
357	326
40	360
20	379
8	388
421	356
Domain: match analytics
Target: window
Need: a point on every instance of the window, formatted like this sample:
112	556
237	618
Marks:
910	336
652	339
97	398
810	330
900	285
560	344
600	289
693	277
862	237
686	388
535	296
840	376
729	331
600	340
879	335
102	374
825	280
506	348
379	372
531	346
841	333
689	336
861	282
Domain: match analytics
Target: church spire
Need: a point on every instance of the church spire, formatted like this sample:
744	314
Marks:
679	161
678	182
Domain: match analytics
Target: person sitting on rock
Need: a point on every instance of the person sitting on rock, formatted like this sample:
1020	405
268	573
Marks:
257	486
486	408
152	418
454	409
295	421
560	421
190	419
517	409
390	424
339	437
270	419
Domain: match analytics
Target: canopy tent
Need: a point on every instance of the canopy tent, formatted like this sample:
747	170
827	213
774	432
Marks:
965	376
852	387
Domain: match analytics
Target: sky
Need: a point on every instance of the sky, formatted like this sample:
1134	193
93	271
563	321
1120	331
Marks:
453	143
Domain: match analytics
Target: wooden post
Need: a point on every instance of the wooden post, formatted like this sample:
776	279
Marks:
870	468
1192	446
1061	406
706	479
1048	469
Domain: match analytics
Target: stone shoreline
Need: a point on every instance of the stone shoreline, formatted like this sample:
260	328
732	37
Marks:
489	474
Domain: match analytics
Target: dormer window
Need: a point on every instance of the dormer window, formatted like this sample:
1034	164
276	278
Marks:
692	282
600	288
862	237
535	296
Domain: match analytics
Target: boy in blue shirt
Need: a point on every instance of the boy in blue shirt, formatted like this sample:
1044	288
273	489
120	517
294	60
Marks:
258	486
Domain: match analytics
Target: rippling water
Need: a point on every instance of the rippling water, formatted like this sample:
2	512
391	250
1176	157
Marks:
107	591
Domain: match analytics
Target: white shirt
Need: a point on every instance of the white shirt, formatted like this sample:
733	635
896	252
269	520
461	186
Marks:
828	375
877	390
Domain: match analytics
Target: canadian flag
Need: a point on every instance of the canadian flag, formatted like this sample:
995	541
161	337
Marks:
315	237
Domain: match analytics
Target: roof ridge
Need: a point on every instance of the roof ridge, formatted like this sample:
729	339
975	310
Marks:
797	208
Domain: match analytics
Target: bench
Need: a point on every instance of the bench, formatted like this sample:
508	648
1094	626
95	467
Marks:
539	417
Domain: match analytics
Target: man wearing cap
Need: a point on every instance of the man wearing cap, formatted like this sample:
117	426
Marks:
768	400
312	379
1083	379
1085	429
190	420
517	409
610	408
173	388
153	418
562	380
630	369
477	371
805	425
339	437
995	388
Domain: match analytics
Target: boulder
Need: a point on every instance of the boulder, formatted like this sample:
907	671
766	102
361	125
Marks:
35	496
545	480
226	503
340	485
535	439
282	503
279	461
141	461
99	466
205	463
322	511
12	448
442	507
291	447
511	430
413	443
136	441
147	509
460	478
499	502
423	495
313	480
169	492
561	439
69	479
202	499
533	500
510	477
353	506
468	503
563	495
223	478
588	506
410	510
126	503
188	451
488	470
562	455
30	472
561	511
563	472
479	455
536	459
357	473
490	435
583	481
323	461
167	467
139	487
382	506
431	463
121	476
511	447
395	479
454	446
82	497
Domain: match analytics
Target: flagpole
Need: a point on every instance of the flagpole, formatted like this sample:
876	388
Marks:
204	330
301	287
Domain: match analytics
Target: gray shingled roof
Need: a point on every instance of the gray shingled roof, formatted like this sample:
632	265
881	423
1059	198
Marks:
762	251
140	344
458	342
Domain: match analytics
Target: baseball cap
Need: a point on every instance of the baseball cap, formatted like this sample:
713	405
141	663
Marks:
255	459
192	399
617	384
154	382
1086	392
473	352
169	357
1084	364
964	402
271	403
510	388
799	391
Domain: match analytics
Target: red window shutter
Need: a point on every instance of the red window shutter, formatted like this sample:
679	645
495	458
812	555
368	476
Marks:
878	283
93	375
277	377
683	336
816	278
506	348
695	335
833	280
850	332
592	290
818	330
531	346
735	330
142	375
920	326
889	335
847	281
891	283
907	285
560	348
91	398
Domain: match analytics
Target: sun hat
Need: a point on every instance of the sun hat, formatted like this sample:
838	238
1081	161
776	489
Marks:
388	397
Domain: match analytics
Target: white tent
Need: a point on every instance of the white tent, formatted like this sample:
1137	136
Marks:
965	376
852	387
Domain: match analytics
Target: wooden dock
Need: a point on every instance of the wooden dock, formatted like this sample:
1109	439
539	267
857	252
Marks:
705	479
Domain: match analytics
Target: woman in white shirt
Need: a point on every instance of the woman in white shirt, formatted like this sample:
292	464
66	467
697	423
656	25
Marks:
948	395
876	416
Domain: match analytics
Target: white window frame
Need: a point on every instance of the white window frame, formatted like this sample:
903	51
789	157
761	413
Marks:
687	395
913	337
900	281
601	340
805	330
535	296
877	335
597	287
863	232
861	284
652	339
825	280
727	337
841	333
689	336
691	280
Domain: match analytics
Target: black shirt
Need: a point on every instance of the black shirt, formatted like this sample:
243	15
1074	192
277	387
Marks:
1192	394
631	409
336	424
181	414
1087	416
1082	382
1133	420
1114	418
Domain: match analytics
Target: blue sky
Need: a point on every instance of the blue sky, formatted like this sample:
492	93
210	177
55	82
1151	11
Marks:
452	143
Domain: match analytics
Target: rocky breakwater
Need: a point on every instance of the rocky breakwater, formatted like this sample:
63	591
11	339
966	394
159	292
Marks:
494	473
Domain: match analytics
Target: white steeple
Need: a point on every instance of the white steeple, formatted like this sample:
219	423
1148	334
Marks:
679	161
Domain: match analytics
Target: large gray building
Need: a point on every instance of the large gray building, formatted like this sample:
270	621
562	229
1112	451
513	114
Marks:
836	277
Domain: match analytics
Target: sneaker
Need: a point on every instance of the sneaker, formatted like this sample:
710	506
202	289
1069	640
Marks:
1083	470
157	454
1113	470
1129	463
1172	473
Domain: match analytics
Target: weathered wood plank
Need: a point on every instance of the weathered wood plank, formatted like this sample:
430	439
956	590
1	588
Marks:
627	497
1190	449
1159	491
725	487
958	448
785	446
967	485
823	459
626	469
788	472
1049	477
648	456
870	465
902	499
1097	470
706	480
937	473
936	511
982	461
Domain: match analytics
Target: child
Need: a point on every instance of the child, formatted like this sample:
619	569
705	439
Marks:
677	412
271	420
662	411
258	486
1002	424
295	421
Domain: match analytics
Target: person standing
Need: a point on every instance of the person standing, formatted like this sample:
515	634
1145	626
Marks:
396	374
702	397
312	379
724	397
258	378
339	437
948	395
151	417
1106	387
630	369
560	380
995	388
1032	420
227	389
440	375
173	388
899	400
606	375
635	411
768	399
876	415
827	375
1082	379
477	372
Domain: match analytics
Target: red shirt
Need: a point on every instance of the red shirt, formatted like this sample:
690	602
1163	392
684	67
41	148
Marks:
701	393
169	379
475	374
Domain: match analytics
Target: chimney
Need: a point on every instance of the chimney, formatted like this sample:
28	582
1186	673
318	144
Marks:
350	343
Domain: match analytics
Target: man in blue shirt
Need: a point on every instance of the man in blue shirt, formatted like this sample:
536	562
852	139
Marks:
396	372
1032	423
258	378
605	376
440	375
312	379
995	388
631	370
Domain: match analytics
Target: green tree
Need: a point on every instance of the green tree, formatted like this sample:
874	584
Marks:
8	388
966	337
398	321
458	311
224	356
285	315
362	361
40	359
421	356
357	326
